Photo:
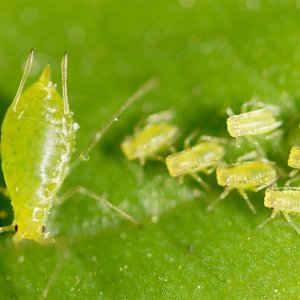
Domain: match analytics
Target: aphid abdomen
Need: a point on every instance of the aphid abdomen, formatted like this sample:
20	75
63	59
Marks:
285	199
247	175
194	159
36	144
294	158
252	123
150	141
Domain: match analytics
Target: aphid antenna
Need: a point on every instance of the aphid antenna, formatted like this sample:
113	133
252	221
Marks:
229	112
143	90
166	115
190	137
64	65
27	70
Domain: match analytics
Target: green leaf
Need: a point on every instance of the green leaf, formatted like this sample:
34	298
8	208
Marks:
208	56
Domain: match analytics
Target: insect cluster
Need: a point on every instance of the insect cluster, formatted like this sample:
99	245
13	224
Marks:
38	139
251	171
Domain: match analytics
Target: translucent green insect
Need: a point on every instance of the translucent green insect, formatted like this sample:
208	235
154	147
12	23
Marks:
155	138
294	157
285	200
202	157
37	141
260	121
251	176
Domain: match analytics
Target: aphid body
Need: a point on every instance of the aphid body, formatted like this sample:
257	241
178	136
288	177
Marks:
294	157
285	200
201	157
257	122
149	142
251	175
37	139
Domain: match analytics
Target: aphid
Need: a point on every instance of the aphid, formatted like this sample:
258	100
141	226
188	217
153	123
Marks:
285	200
203	157
37	140
251	175
155	138
294	158
260	121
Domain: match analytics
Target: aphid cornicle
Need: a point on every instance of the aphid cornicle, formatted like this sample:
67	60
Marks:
260	121
202	157
155	138
285	200
251	175
37	140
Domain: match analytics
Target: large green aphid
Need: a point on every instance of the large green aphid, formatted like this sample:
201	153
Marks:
37	140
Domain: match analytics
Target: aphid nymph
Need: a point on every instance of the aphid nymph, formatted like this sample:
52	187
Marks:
262	120
37	140
152	140
285	200
202	157
251	176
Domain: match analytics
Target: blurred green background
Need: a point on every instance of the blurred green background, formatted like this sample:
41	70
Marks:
208	55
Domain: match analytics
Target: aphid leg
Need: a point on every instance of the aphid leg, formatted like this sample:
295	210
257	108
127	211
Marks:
166	115
260	150
245	196
229	112
200	180
288	218
252	103
23	80
275	134
273	215
7	228
294	173
148	86
190	137
64	64
247	156
224	194
292	180
238	142
210	170
83	191
54	274
213	139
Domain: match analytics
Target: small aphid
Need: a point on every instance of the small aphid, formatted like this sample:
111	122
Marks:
294	158
151	141
203	157
285	200
37	140
260	121
251	176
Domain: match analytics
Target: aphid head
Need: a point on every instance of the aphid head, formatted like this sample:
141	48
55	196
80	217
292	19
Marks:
223	176
36	233
30	226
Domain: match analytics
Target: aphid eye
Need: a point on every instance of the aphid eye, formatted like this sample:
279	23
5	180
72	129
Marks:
43	229
16	227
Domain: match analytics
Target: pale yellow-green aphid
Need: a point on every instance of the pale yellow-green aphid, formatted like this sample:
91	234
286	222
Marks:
37	140
155	138
202	157
260	121
285	200
251	176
